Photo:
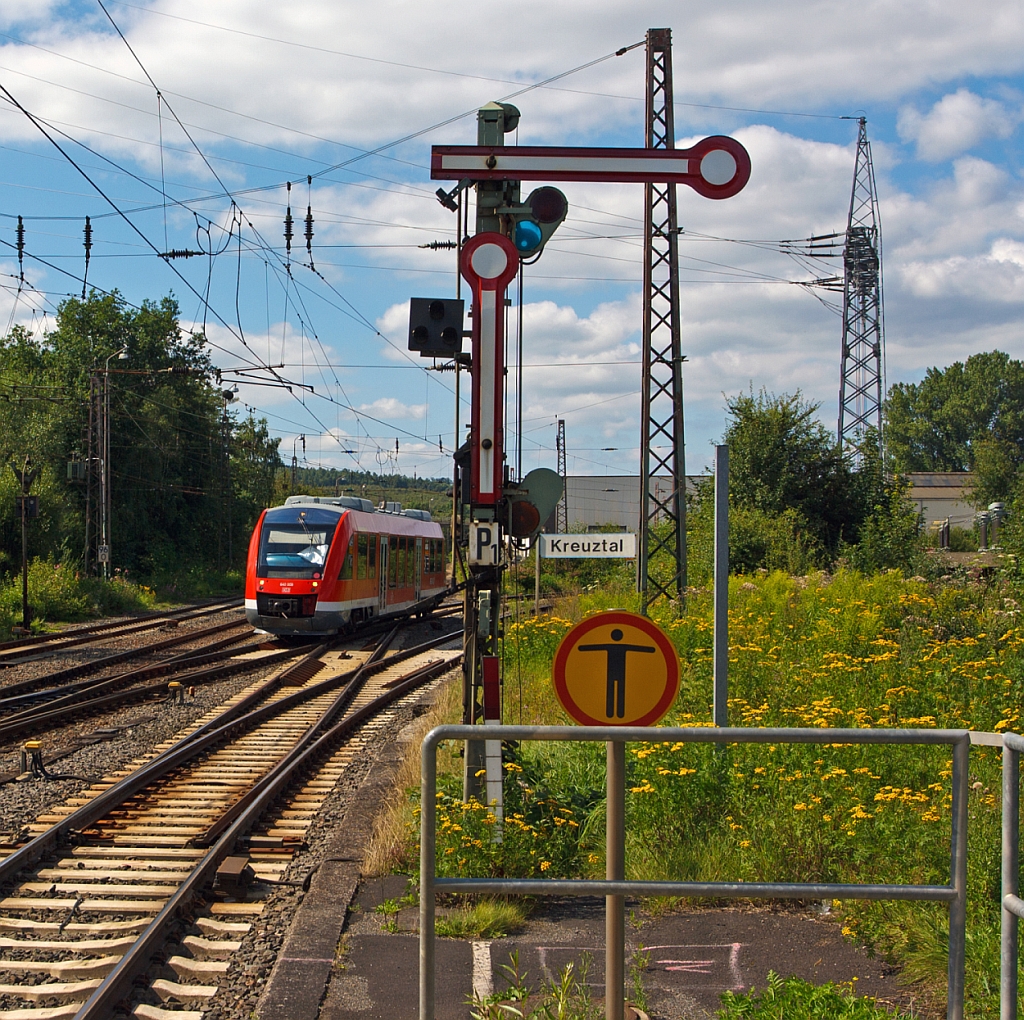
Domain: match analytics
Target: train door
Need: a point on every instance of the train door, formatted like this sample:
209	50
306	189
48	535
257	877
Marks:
382	574
418	562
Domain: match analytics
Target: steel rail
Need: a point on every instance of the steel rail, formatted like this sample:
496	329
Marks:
241	715
196	656
118	984
55	711
114	658
244	715
104	631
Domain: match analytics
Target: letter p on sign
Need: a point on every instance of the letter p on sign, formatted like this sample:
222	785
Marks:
483	543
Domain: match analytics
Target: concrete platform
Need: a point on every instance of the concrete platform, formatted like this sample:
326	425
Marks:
694	957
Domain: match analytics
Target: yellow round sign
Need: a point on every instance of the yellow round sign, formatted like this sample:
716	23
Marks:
616	669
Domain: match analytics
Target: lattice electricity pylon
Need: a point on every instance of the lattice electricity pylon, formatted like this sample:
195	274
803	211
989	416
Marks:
562	507
661	427
863	361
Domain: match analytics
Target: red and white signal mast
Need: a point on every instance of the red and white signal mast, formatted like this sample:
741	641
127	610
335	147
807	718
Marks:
509	232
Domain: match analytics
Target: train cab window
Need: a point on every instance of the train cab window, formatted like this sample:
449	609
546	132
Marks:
347	571
363	543
372	560
294	543
392	561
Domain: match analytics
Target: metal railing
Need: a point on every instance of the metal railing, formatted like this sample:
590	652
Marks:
955	893
1012	904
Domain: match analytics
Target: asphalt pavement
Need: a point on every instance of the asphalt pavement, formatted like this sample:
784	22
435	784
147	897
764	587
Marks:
693	956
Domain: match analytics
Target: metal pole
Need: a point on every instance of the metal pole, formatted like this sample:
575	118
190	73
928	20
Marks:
88	474
1011	870
103	472
458	373
721	666
428	835
615	870
106	466
26	618
536	575
958	873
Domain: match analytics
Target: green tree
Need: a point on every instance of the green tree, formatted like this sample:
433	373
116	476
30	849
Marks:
967	417
186	476
782	459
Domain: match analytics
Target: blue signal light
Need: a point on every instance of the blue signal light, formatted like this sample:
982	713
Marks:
528	236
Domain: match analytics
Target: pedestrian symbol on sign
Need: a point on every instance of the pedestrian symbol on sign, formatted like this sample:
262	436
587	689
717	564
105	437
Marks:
616	669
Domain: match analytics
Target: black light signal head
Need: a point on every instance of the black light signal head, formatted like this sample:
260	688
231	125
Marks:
548	209
435	326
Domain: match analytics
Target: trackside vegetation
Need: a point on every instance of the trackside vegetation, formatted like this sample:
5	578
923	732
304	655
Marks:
818	650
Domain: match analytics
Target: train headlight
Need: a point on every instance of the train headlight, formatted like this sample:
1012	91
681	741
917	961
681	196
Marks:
316	584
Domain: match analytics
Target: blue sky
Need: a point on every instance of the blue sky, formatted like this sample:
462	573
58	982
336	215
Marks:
270	93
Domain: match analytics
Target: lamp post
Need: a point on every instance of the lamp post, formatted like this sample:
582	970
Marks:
103	552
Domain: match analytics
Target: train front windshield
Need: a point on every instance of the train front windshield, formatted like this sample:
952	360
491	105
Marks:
294	543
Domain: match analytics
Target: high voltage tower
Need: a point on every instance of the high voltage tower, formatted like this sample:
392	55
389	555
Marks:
562	509
661	422
863	353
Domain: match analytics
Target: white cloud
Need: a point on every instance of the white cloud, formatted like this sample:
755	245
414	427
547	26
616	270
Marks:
956	123
391	408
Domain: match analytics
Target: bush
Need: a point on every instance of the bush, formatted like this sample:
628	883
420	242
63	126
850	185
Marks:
793	999
56	591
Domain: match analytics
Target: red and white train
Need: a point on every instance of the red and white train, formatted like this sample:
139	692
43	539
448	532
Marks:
318	564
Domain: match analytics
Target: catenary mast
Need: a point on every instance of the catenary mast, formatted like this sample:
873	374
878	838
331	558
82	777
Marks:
863	352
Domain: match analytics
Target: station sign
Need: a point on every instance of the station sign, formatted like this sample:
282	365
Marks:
614	546
616	669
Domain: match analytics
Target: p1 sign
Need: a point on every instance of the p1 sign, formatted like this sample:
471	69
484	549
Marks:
483	543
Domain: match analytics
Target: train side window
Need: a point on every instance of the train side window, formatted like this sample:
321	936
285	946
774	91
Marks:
403	548
428	555
433	556
346	563
372	566
363	542
393	561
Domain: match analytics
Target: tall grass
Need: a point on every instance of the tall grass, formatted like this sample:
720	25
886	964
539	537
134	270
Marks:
820	651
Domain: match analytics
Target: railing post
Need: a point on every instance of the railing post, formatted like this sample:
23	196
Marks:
958	875
615	870
1011	840
428	837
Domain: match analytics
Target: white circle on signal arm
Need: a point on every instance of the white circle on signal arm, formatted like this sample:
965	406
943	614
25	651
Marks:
489	261
718	167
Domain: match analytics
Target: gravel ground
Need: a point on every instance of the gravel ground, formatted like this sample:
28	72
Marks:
147	724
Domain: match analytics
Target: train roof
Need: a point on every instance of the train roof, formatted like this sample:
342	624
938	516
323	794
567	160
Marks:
323	508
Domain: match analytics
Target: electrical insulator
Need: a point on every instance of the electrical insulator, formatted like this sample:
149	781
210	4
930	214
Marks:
88	249
309	233
288	222
21	249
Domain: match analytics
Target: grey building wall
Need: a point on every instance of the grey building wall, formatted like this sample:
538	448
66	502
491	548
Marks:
942	494
595	500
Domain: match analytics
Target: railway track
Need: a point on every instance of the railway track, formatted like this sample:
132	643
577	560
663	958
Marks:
115	872
42	703
21	650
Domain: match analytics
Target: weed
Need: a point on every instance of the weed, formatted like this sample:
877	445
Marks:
485	919
793	999
638	964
